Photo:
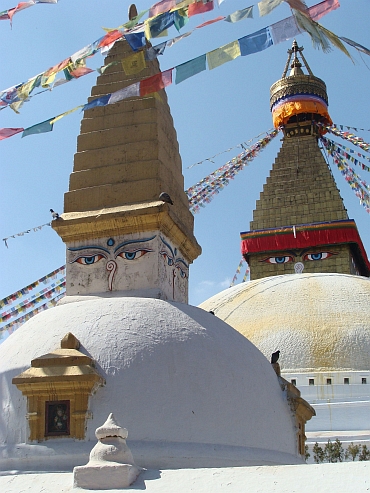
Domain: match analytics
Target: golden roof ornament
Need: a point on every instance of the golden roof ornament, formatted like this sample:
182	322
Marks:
298	97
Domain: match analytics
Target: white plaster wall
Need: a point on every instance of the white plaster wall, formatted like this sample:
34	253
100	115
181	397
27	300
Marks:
324	478
175	375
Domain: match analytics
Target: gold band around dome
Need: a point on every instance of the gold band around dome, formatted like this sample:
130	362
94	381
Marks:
297	84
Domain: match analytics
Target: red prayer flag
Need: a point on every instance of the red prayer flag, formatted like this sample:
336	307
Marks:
80	71
220	18
109	38
200	8
5	133
156	82
57	68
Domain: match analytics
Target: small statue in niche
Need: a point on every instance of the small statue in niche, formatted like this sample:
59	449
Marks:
57	418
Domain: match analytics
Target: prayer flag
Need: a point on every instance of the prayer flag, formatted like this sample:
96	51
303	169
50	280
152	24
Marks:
172	41
356	45
255	42
180	17
134	64
5	133
220	18
240	14
86	51
266	6
156	25
284	29
160	7
298	5
136	40
40	128
80	72
156	82
109	38
154	51
102	101
200	8
322	8
59	117
222	55
190	68
126	92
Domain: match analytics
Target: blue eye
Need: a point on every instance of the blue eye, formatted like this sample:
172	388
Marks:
169	259
278	260
93	259
318	255
133	255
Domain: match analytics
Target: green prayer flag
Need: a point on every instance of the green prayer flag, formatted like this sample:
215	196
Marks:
240	14
190	68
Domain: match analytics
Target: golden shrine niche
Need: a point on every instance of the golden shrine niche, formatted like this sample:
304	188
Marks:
57	386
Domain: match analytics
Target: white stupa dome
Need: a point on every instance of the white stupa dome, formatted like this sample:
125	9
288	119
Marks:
190	389
318	321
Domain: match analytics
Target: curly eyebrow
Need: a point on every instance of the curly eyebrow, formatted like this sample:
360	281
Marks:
167	245
88	247
182	262
129	242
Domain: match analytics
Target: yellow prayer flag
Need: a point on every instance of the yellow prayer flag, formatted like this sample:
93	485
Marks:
59	117
183	4
134	64
222	55
48	80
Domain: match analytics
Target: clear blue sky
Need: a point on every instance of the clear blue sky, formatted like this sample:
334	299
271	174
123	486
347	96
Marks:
212	111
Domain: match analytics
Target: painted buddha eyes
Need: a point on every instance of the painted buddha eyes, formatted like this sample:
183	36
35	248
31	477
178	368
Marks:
134	255
288	258
126	255
167	257
317	256
172	262
278	260
93	259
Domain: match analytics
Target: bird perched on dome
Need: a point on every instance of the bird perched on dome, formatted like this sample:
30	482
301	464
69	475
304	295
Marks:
55	215
165	198
275	357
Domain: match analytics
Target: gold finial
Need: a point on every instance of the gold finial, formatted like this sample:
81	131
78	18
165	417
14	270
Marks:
296	65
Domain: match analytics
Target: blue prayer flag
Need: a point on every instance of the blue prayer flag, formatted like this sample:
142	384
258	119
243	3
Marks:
255	42
160	23
102	101
136	40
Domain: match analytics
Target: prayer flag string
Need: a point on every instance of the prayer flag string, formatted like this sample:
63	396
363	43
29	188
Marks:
243	145
8	14
204	191
15	324
74	66
359	186
245	277
24	305
22	292
346	152
35	229
357	141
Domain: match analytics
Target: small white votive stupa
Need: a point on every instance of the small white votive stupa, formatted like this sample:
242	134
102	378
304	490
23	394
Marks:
111	464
